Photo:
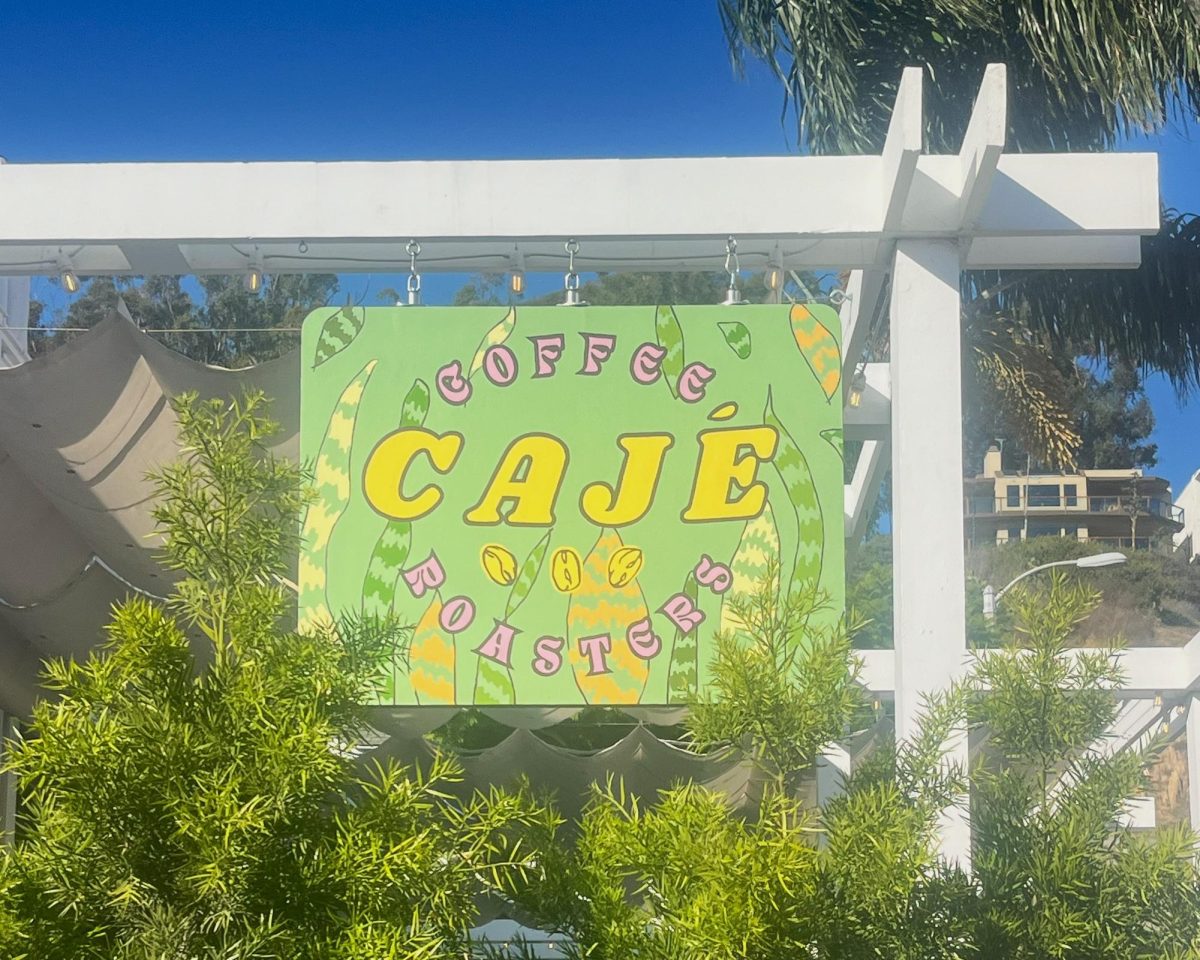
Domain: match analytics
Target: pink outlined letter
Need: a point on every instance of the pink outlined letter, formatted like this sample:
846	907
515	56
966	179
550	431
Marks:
547	350
692	381
642	639
457	614
452	385
500	365
595	649
646	365
716	576
597	347
549	656
682	612
498	645
425	576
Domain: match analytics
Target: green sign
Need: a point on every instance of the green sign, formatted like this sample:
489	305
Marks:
564	500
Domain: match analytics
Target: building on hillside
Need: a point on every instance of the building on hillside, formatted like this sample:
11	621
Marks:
1121	509
14	321
1188	538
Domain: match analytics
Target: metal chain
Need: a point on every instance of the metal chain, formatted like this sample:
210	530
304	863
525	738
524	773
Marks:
732	266
571	277
414	279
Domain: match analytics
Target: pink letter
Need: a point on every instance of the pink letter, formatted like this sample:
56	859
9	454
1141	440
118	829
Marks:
547	351
714	575
642	639
682	612
498	645
457	615
451	385
647	362
500	365
692	381
425	576
549	655
594	648
597	347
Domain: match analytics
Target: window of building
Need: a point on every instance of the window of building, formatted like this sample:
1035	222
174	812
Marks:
1014	533
1070	494
1043	495
1014	495
1044	529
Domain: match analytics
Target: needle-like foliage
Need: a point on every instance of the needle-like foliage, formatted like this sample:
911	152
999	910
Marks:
1058	873
191	790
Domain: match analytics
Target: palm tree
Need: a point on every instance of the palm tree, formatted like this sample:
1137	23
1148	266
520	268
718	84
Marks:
1082	75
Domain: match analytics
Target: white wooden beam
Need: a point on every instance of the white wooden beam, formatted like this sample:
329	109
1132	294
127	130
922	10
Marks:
863	489
982	145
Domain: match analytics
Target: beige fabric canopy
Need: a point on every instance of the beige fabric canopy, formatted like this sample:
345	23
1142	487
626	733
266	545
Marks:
81	428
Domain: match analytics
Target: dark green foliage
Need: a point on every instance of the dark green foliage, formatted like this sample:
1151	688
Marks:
192	792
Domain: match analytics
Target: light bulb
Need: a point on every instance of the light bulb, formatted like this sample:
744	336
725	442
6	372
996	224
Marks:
774	277
254	280
69	280
516	282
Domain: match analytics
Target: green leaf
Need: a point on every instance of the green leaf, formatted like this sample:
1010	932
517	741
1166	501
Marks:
737	336
337	333
670	337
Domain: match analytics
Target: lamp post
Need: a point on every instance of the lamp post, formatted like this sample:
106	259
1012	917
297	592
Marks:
991	598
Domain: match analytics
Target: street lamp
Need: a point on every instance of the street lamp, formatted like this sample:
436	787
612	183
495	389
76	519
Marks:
991	598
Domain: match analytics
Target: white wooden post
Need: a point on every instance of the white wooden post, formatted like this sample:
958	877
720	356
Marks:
927	516
1193	758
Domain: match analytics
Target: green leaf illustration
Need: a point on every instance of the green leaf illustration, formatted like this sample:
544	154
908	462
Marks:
833	436
337	333
670	338
683	674
737	336
797	478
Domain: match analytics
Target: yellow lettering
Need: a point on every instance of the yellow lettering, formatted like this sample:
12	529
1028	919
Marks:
383	475
628	502
721	464
529	474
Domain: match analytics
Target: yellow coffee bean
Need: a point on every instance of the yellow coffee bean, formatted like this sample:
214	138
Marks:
624	565
499	564
566	569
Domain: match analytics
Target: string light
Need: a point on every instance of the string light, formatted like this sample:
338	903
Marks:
66	274
516	282
858	384
253	281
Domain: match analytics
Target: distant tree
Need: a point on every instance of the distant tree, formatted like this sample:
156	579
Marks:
227	326
1108	410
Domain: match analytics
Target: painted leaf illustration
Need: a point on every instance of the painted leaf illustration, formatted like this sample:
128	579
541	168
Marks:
332	479
737	336
380	596
493	682
797	478
496	335
756	552
596	608
817	344
683	674
833	436
431	657
670	338
337	333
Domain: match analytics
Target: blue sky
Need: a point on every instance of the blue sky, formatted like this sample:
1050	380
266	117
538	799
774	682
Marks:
373	80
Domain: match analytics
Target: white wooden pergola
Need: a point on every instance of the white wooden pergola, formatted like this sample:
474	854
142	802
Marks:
915	219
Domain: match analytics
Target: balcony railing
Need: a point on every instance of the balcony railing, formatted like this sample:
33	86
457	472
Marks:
1051	503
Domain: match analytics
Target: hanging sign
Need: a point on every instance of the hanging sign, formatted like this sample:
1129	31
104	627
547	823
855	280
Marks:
563	502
